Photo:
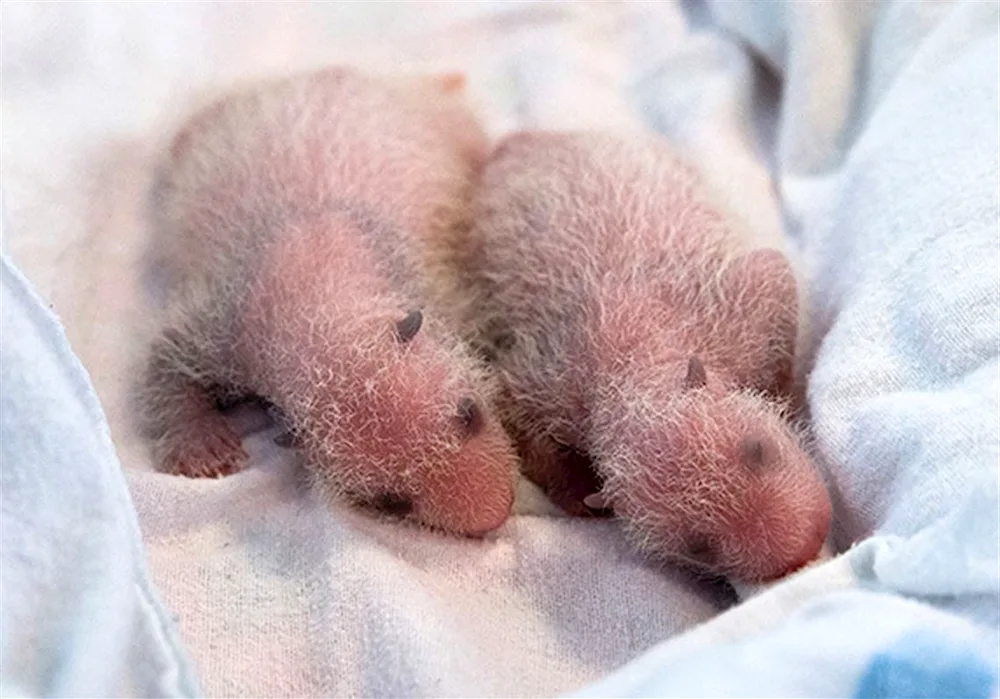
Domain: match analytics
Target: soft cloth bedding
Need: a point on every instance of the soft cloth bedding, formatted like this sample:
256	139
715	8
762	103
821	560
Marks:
79	614
861	136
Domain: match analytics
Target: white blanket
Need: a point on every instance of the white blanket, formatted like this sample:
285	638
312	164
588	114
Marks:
869	138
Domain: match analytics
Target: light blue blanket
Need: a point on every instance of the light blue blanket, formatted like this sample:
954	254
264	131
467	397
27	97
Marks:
78	613
878	123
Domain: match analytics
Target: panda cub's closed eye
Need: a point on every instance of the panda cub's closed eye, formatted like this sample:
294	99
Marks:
393	504
757	453
470	416
701	549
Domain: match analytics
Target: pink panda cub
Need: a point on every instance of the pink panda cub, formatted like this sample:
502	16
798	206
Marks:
293	218
643	351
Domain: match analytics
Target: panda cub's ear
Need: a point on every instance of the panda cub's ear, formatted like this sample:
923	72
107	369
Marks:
454	81
696	377
409	326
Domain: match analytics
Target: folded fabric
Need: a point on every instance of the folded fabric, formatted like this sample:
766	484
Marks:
79	615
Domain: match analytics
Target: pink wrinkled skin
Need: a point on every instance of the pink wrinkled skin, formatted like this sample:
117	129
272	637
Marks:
643	351
293	218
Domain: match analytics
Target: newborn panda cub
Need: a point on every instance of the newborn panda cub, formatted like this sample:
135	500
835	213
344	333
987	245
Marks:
290	219
643	351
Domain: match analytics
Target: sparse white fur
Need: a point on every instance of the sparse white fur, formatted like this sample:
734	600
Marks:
293	219
598	266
